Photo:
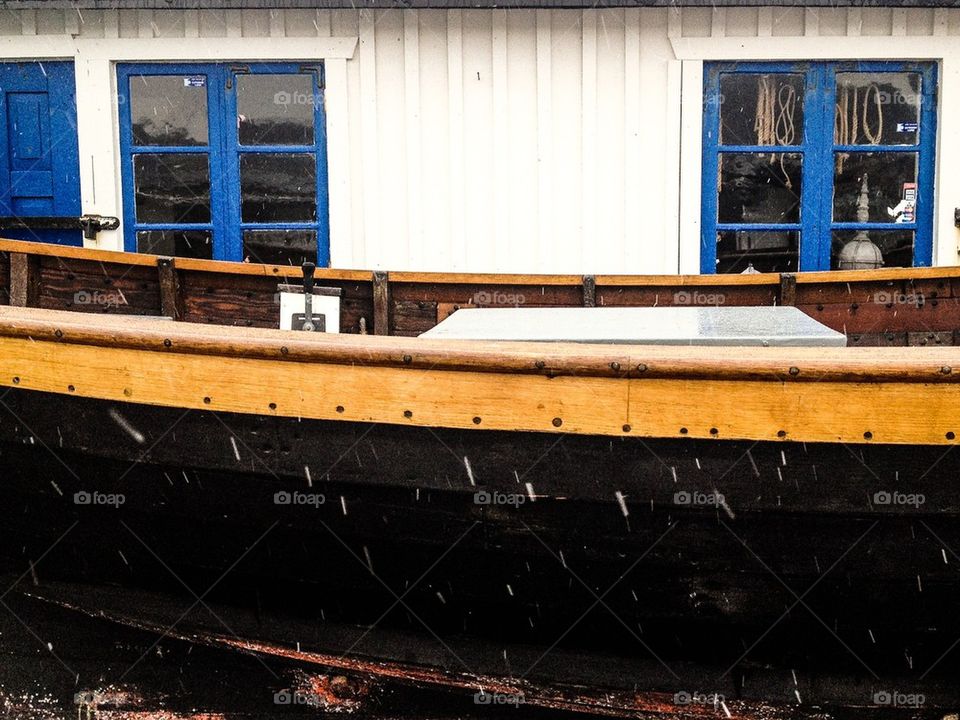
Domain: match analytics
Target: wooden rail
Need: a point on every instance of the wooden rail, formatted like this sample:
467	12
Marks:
914	306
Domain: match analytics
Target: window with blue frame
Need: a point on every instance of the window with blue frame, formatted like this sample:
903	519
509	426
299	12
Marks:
224	161
817	166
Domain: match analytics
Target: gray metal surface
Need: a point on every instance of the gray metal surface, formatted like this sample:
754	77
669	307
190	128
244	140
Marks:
461	4
756	326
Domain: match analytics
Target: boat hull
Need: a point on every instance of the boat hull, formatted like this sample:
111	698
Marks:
817	557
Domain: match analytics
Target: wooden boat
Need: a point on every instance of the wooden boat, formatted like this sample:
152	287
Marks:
618	529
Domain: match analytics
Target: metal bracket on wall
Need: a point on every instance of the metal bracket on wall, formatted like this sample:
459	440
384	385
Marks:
90	224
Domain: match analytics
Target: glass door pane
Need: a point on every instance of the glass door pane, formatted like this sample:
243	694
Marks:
876	168
276	157
169	161
759	171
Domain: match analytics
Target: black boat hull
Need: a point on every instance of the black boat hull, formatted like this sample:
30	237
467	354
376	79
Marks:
808	558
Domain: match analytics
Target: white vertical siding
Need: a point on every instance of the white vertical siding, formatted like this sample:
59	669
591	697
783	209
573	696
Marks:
497	140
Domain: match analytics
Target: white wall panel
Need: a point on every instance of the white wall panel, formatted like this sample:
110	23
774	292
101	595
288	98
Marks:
496	140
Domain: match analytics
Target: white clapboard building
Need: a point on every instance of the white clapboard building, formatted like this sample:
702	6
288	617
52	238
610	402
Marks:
625	136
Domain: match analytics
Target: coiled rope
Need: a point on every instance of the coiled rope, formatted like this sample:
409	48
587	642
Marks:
853	115
774	120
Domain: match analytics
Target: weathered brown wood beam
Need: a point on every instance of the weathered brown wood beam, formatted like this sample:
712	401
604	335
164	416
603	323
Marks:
171	299
24	280
381	303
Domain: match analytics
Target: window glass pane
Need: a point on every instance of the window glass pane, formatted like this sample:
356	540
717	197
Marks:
877	108
275	109
851	250
169	109
278	187
172	188
759	187
761	109
875	187
280	247
765	250
181	243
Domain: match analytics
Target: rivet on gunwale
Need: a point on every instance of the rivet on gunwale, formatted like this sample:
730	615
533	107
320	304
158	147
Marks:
16	380
407	359
339	408
557	422
781	433
794	371
58	333
408	413
539	364
950	435
626	428
868	435
127	392
206	401
167	342
946	370
273	406
683	431
477	420
70	388
714	431
615	366
642	367
284	350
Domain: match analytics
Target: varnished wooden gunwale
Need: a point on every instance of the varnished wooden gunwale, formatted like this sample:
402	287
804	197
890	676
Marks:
846	395
777	364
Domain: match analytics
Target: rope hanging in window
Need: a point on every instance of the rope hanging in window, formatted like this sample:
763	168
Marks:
774	119
853	115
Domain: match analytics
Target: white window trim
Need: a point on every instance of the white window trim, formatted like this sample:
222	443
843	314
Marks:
694	52
95	62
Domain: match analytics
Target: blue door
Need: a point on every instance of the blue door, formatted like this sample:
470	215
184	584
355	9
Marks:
818	166
39	168
224	161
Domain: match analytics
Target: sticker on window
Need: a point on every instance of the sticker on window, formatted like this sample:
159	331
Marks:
195	81
908	127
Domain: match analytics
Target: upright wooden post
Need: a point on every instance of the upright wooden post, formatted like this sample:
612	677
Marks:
24	280
171	301
381	303
589	291
788	289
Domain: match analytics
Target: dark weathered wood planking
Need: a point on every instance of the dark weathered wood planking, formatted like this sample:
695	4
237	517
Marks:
252	300
4	278
95	287
886	307
679	294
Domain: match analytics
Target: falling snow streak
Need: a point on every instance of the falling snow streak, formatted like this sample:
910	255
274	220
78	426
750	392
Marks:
126	426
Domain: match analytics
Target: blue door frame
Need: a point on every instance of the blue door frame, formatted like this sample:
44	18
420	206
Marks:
817	148
223	150
39	159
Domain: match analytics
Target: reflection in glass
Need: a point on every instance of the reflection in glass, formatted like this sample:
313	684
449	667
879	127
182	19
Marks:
877	108
275	109
172	188
761	109
896	246
764	250
180	243
278	187
759	187
280	247
169	110
892	177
